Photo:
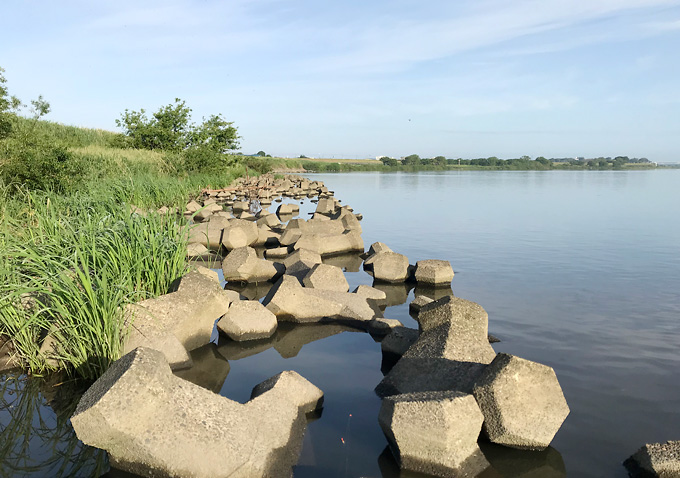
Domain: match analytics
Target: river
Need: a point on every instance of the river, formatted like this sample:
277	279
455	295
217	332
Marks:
579	270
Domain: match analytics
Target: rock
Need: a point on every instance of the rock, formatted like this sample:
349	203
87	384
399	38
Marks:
242	264
235	237
291	387
377	248
398	341
300	262
192	207
207	233
290	236
431	292
8	360
276	253
326	206
145	331
270	220
434	272
247	320
209	369
522	402
189	313
291	302
390	267
655	460
323	276
152	423
336	244
240	206
450	354
434	432
348	220
418	303
197	250
382	326
266	237
369	292
493	339
288	209
206	211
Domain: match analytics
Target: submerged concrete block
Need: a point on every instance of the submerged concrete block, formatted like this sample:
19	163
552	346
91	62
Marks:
434	432
522	402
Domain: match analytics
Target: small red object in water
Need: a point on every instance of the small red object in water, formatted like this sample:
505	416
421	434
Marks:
342	440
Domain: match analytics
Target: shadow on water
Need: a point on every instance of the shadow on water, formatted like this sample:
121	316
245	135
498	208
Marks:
36	437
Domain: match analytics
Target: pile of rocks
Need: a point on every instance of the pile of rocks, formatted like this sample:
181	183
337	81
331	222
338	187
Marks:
446	386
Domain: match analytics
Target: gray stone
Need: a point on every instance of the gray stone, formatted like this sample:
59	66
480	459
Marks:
390	267
450	354
276	253
418	303
398	341
331	244
326	206
291	302
382	326
267	237
192	207
434	432
271	220
242	264
369	292
522	402
197	250
208	234
206	211
189	313
655	460
288	209
247	320
324	276
300	262
155	424
434	272
235	237
291	387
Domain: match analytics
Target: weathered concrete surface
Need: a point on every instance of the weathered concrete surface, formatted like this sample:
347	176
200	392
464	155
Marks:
208	234
146	331
239	233
327	206
188	314
434	272
390	267
382	326
417	303
324	276
369	292
331	244
155	424
243	265
300	262
434	432
209	369
290	386
267	237
197	250
288	209
655	460
276	253
398	341
450	354
522	402
247	320
291	302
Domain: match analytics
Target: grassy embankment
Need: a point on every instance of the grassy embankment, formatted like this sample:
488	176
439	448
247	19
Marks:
71	253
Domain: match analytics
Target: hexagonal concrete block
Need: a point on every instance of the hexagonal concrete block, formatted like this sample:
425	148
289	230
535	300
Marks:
434	272
247	320
522	402
390	267
324	276
434	432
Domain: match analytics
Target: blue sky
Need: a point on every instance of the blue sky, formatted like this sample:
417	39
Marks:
470	78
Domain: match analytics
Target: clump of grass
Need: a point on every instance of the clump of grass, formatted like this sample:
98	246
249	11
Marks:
67	276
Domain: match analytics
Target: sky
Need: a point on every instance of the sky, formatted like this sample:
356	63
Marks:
358	79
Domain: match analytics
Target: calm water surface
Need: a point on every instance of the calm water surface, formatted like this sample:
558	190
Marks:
578	270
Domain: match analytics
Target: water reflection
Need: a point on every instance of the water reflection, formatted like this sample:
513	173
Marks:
350	262
397	294
433	293
252	290
36	437
209	370
511	463
288	340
